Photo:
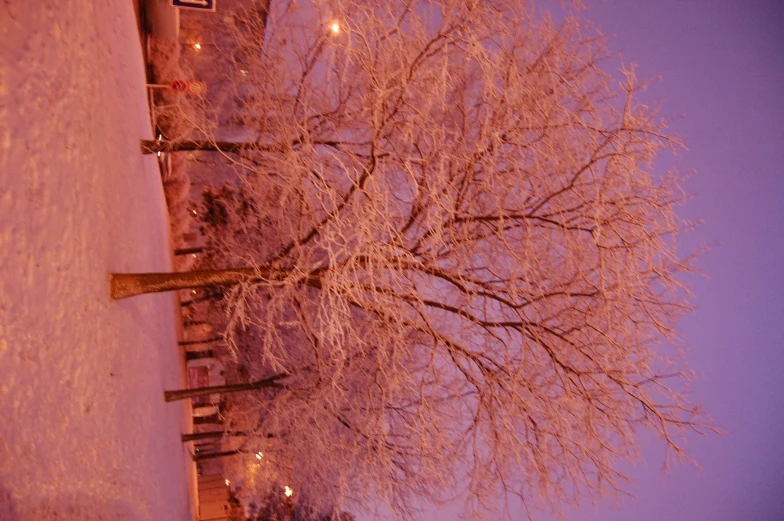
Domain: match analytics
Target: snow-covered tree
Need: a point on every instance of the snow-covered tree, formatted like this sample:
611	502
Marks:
448	235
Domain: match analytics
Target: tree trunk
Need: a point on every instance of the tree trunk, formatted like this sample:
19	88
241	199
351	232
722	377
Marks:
186	251
202	435
205	341
195	436
191	323
150	146
199	456
124	285
195	355
214	419
195	301
182	394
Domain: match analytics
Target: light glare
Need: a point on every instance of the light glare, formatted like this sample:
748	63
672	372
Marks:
335	27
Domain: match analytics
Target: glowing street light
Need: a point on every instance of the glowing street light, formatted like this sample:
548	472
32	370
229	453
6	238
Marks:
259	455
335	27
197	46
288	491
228	482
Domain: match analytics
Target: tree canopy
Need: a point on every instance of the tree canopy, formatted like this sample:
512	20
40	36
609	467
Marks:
455	246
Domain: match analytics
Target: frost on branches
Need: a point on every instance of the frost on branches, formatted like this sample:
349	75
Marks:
460	255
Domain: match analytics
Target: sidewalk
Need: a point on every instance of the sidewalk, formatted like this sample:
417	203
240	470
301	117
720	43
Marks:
157	19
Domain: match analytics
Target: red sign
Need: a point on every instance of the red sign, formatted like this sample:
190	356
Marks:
199	377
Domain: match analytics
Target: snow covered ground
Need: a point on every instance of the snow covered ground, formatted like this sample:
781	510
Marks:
84	433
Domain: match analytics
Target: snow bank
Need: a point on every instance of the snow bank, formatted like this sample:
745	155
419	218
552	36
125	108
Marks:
85	432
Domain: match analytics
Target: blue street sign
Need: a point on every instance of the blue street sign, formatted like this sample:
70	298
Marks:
201	5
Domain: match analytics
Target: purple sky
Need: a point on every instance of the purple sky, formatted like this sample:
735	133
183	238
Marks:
722	64
723	84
